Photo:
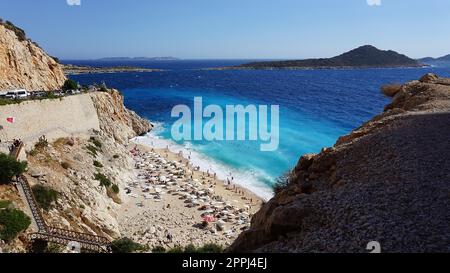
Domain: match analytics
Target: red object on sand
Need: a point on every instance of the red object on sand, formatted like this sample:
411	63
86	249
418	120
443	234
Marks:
209	218
10	119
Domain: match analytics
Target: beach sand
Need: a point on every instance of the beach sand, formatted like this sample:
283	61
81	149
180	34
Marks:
167	203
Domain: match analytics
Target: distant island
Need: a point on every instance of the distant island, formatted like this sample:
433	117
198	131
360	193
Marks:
128	59
362	57
441	61
70	69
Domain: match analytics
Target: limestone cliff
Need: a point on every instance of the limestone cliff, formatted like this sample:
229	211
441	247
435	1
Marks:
25	65
388	181
88	137
115	119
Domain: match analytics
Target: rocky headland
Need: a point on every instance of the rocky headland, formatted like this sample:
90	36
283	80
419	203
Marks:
362	57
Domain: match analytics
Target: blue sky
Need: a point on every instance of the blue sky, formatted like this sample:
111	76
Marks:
231	28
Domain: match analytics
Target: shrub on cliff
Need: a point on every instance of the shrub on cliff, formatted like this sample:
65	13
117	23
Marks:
115	189
104	181
282	182
10	167
42	143
70	85
176	250
96	142
56	59
20	33
208	248
158	249
12	222
92	150
125	245
5	204
98	164
45	196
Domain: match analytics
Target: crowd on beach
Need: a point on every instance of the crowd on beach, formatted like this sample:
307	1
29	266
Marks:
217	209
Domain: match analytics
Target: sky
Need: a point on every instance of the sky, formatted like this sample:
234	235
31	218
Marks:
231	29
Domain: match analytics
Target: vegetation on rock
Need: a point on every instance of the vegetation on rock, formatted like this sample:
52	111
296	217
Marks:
70	85
12	222
190	249
282	182
115	189
5	204
45	196
98	164
10	167
104	181
20	33
125	245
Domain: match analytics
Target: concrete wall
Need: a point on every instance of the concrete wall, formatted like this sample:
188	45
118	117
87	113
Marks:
69	116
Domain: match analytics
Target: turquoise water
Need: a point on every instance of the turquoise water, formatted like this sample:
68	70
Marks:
316	107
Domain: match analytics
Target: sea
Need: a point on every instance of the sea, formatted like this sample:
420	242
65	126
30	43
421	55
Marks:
316	108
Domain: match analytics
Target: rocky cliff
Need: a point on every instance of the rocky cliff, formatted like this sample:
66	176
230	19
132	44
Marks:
116	120
388	181
85	159
25	65
77	163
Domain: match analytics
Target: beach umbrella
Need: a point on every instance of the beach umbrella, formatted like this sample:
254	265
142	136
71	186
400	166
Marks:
10	119
209	218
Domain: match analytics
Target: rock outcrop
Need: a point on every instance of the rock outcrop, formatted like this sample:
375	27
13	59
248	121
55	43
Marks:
24	65
116	120
67	166
388	181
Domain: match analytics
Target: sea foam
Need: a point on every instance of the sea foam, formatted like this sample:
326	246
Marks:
246	179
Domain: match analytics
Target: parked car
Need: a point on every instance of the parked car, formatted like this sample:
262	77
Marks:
73	92
17	94
38	94
58	94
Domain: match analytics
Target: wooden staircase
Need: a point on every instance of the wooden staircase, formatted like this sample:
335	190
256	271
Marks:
88	242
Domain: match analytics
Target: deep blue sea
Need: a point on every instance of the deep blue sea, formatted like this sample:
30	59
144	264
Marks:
316	107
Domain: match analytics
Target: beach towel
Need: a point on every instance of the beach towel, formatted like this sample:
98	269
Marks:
10	119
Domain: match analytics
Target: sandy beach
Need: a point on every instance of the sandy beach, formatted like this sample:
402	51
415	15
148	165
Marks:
172	203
